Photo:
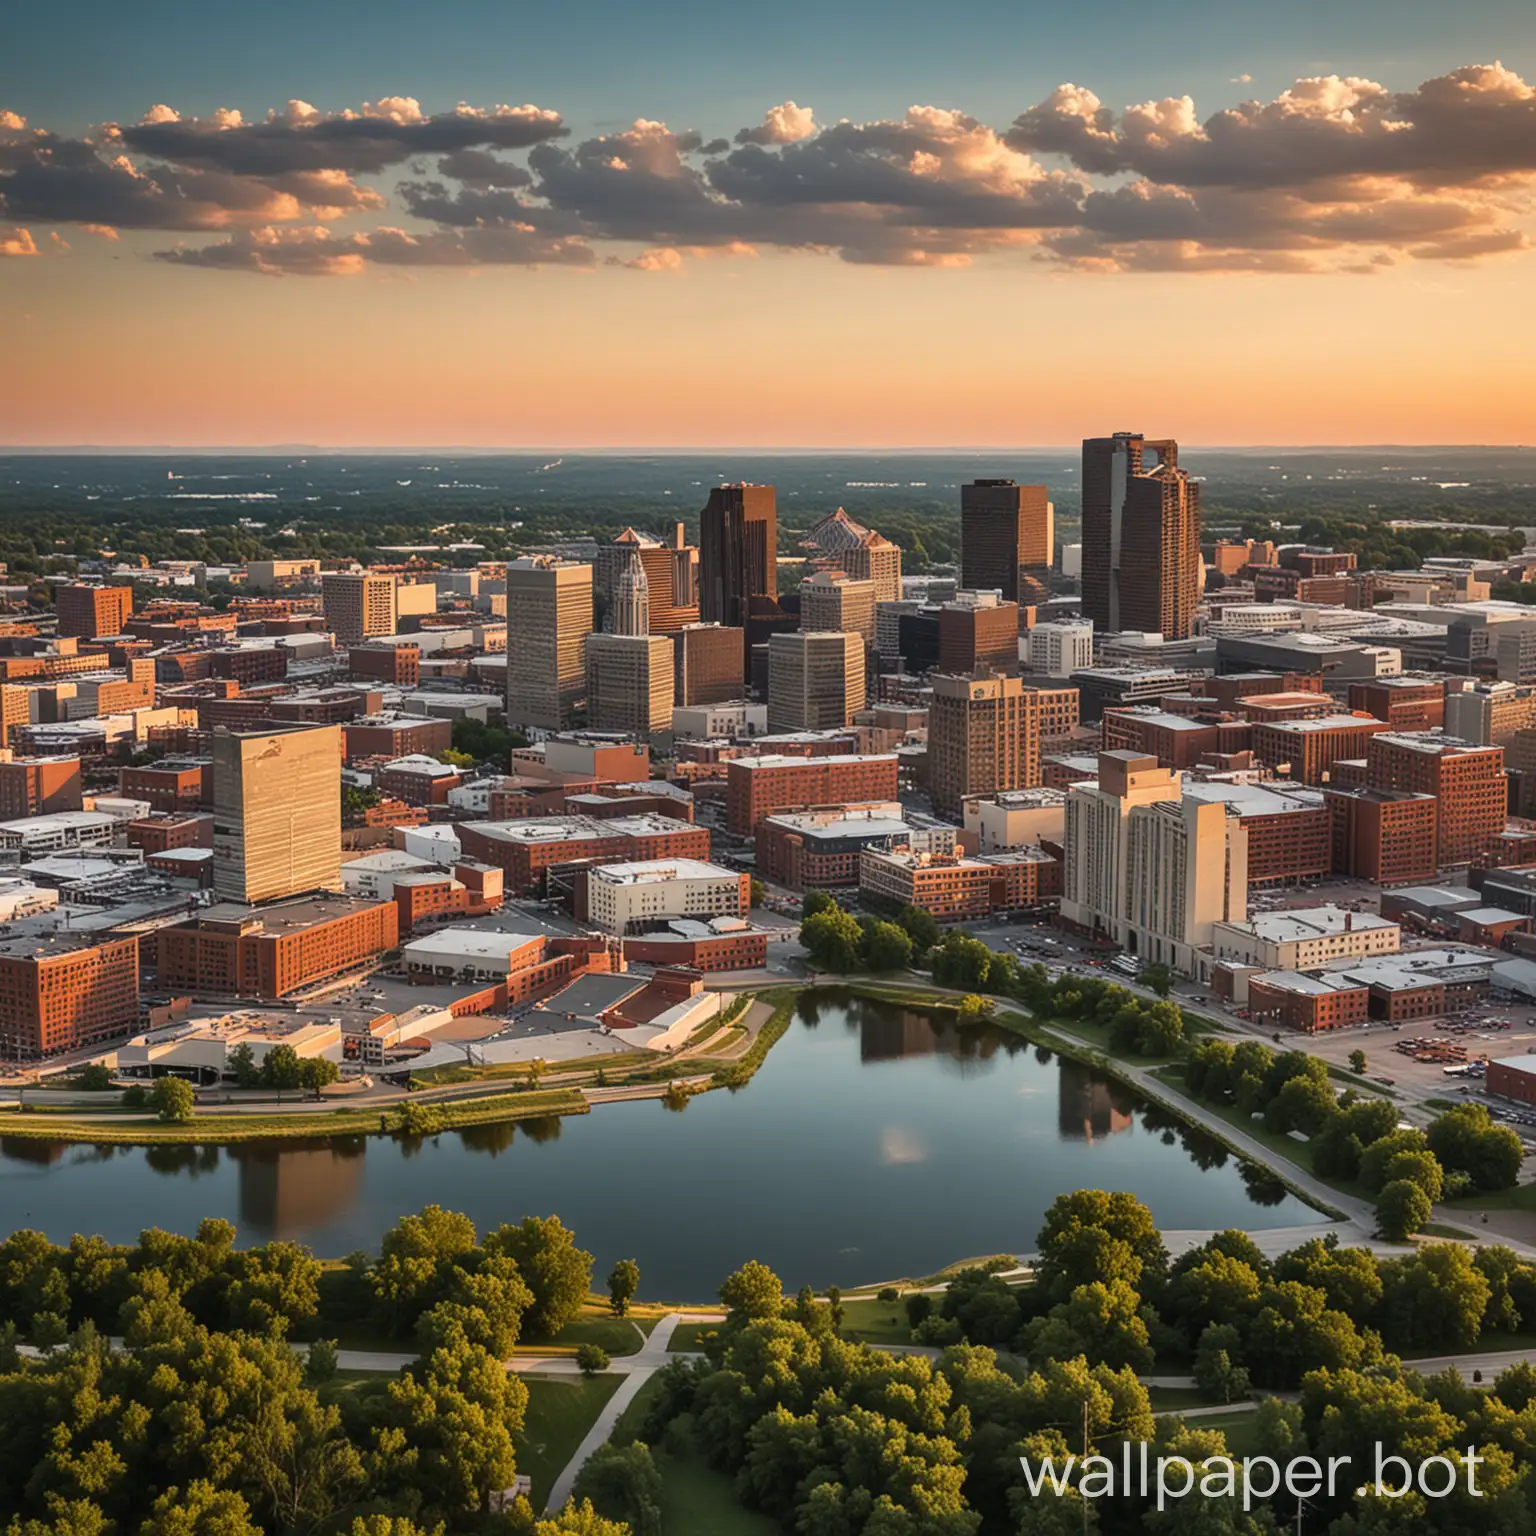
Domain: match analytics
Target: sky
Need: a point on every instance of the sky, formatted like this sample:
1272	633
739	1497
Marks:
836	225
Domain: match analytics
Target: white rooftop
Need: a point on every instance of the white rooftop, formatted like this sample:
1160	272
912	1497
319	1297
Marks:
419	762
774	761
455	944
1286	927
657	871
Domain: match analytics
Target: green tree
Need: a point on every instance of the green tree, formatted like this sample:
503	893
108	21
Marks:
281	1069
1421	1168
95	1078
591	1358
242	1062
555	1270
623	1282
200	1510
1218	1371
1091	1235
1158	977
1357	1061
580	1520
921	926
833	939
887	947
815	903
757	892
622	1483
317	1072
752	1293
320	1363
172	1099
1402	1208
1467	1140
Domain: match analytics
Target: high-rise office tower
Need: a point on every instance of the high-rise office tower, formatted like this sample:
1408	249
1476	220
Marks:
983	738
276	812
708	664
358	605
833	600
738	552
815	680
979	630
671	575
630	683
549	618
632	599
874	558
1141	537
1006	531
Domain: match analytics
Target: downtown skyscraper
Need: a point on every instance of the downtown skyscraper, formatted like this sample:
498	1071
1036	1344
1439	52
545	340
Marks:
1141	536
1007	534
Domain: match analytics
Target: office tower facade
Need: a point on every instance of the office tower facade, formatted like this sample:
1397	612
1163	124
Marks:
983	738
1467	781
276	812
888	617
708	664
90	611
549	619
815	680
671	575
64	991
1059	647
875	558
1141	537
738	552
979	631
632	599
832	600
1094	861
1006	531
629	683
1186	870
358	605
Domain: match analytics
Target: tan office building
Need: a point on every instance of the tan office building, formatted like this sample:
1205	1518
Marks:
358	606
276	812
630	683
815	680
983	738
830	600
549	618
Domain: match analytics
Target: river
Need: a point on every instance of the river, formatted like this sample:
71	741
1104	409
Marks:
873	1143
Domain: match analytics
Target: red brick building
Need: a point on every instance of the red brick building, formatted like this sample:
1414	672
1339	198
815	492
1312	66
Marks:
91	611
37	786
403	736
250	663
1312	746
171	829
272	951
398	664
744	950
760	786
1468	782
1385	836
64	992
169	786
1405	703
527	850
1303	1003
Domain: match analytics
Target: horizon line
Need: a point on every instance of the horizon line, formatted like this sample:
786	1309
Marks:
695	450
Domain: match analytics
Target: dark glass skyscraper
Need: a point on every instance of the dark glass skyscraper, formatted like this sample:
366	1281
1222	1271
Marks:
739	563
1141	536
1006	531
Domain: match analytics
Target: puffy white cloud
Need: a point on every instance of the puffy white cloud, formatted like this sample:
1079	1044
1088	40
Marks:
17	242
783	124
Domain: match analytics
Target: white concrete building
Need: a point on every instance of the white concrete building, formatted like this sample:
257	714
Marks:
34	836
1186	870
711	722
1059	647
374	874
1301	938
1017	818
632	898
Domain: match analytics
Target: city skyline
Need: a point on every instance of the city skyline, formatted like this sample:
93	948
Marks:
495	236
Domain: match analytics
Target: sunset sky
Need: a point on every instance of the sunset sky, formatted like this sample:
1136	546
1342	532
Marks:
837	224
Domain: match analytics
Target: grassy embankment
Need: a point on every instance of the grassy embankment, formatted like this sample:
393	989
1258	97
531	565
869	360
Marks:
220	1129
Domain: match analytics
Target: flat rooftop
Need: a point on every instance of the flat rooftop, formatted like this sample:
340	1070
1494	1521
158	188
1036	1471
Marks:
779	761
568	829
302	912
1302	923
658	871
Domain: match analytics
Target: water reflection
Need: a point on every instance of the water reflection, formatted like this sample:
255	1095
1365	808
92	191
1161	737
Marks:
286	1189
852	1156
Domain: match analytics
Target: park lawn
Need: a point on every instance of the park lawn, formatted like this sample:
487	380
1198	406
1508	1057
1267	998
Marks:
615	1334
875	1322
561	1409
627	1430
698	1501
1521	1198
687	1338
1240	1427
1173	1399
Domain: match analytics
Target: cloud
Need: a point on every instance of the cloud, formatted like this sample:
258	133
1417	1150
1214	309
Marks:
783	124
1243	79
1335	173
315	252
299	138
17	242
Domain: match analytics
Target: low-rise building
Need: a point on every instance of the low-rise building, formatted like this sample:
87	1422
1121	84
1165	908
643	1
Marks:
417	780
274	950
722	944
637	897
756	787
1303	938
819	849
954	887
64	991
528	849
1308	1004
1017	818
